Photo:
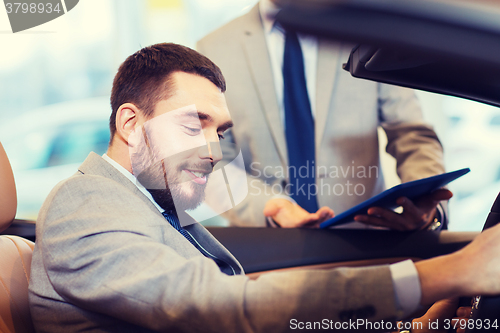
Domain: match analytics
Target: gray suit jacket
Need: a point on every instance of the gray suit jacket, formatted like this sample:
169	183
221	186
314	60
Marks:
105	260
348	113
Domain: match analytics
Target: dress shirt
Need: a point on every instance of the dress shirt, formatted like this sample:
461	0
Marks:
275	40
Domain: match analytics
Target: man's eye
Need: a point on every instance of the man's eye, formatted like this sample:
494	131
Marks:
192	130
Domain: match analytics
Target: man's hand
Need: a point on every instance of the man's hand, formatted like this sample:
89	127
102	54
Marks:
416	215
472	270
438	313
290	215
463	314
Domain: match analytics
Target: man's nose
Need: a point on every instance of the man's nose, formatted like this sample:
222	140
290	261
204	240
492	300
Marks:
211	150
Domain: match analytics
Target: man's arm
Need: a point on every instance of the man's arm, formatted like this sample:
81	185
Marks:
418	153
116	264
124	266
473	270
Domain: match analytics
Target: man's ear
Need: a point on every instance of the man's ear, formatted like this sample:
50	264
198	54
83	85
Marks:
126	120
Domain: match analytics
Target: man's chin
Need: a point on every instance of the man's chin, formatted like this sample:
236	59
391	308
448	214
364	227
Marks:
179	199
191	198
192	205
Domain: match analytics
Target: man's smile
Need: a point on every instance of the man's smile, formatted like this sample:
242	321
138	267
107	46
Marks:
199	177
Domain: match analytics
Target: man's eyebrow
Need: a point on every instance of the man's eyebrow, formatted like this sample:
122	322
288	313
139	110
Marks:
227	125
204	116
200	115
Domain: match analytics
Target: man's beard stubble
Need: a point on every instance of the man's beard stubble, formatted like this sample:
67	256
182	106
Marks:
162	181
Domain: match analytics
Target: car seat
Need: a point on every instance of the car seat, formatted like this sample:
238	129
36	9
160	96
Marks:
15	264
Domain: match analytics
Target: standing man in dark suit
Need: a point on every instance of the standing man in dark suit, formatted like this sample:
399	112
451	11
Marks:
308	130
115	251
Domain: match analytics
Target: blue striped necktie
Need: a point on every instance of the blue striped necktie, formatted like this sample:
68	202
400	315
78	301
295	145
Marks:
299	124
224	266
174	221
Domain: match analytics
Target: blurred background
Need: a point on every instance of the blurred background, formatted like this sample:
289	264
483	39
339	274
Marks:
55	81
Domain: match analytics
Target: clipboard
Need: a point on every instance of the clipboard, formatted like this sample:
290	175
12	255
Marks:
387	199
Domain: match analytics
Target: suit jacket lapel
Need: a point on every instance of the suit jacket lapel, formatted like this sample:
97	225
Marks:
328	66
212	245
96	165
255	46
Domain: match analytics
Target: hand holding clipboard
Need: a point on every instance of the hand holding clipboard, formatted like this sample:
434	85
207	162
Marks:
388	199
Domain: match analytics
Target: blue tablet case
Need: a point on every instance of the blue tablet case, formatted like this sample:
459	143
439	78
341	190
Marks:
387	199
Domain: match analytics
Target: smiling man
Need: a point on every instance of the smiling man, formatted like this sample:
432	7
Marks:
174	153
116	252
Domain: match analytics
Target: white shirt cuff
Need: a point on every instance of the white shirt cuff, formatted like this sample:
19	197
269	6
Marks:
406	286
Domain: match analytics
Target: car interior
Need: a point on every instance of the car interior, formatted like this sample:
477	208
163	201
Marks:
393	46
15	263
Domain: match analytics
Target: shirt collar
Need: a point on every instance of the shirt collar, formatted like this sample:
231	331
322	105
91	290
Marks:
133	179
268	11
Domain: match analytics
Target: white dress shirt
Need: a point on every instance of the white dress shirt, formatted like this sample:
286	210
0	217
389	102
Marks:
275	39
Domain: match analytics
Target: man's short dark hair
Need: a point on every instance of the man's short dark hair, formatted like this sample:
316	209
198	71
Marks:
144	78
